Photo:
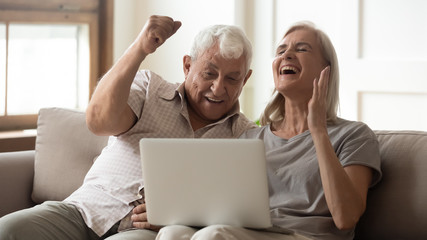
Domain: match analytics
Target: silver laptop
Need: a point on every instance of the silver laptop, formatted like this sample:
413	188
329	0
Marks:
200	182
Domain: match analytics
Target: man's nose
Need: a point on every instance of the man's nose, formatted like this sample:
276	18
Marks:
218	86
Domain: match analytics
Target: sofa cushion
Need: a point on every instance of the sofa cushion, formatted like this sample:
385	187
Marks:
396	207
65	150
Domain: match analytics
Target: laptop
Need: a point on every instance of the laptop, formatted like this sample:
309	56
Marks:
201	182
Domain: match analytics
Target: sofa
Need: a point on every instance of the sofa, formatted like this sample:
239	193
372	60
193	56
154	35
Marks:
65	150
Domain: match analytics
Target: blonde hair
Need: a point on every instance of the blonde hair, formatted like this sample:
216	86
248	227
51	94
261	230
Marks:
275	109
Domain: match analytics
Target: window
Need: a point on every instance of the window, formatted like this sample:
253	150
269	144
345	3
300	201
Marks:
40	57
2	70
50	56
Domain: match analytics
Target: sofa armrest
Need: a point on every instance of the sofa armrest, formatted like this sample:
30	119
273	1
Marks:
16	180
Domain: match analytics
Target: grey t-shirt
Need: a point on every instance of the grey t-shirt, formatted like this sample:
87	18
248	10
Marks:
297	200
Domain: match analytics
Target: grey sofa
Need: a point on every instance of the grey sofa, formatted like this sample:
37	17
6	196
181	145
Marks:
65	150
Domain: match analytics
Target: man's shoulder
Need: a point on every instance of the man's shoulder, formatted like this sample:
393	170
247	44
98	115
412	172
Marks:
257	132
149	76
155	82
241	124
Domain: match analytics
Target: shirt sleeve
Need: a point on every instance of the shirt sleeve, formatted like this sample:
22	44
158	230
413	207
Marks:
138	92
361	147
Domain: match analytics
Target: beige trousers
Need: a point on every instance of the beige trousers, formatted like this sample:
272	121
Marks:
221	232
57	220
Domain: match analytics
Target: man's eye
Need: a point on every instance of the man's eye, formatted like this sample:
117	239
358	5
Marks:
208	74
302	50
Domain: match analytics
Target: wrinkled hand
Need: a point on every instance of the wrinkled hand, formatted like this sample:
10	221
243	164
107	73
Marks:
139	218
317	105
156	31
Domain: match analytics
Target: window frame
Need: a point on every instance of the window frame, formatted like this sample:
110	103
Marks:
98	14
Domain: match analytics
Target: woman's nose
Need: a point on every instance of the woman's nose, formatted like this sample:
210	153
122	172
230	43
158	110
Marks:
288	54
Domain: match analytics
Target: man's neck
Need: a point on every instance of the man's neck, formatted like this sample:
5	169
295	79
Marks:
195	120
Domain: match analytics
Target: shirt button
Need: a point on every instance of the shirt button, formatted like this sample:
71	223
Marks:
139	196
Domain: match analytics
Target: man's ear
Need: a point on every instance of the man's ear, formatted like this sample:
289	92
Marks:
186	64
247	76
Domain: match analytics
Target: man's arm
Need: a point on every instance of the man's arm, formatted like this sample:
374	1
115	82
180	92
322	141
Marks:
108	112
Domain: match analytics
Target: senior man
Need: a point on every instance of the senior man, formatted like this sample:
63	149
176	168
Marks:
129	105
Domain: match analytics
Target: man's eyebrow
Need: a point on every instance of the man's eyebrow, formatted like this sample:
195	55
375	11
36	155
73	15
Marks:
211	65
235	74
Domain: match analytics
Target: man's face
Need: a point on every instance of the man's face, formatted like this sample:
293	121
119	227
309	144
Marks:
213	84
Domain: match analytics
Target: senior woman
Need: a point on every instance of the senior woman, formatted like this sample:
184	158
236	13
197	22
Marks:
319	166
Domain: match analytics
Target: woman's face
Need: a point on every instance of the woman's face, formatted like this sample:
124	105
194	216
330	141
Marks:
297	63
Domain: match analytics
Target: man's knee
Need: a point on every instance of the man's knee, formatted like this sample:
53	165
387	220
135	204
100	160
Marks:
15	226
176	232
51	220
136	234
214	232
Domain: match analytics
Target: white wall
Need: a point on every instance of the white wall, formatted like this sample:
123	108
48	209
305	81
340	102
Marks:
125	26
380	45
194	15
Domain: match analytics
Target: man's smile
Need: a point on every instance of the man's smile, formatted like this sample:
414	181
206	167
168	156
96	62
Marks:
214	100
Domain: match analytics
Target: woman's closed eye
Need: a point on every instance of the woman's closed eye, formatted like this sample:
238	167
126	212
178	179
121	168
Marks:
280	52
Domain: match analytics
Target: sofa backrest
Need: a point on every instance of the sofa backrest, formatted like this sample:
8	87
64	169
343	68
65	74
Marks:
397	206
65	150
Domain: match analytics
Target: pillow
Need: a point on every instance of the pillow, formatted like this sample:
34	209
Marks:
396	207
65	150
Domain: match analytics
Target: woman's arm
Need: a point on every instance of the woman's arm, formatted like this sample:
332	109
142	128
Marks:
345	188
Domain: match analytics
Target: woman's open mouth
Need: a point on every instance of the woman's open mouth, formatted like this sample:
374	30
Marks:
289	70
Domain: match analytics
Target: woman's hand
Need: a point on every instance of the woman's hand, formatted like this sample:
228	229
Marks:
139	218
317	107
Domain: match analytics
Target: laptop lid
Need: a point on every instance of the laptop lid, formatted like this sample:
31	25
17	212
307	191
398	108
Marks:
200	182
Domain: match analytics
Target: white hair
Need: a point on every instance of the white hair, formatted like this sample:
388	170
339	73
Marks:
231	39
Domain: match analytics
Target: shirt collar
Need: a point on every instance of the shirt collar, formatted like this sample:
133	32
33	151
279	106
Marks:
170	94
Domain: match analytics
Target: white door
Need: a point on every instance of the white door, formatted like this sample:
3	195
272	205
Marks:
382	51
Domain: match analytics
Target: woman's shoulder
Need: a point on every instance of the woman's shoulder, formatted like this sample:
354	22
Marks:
344	127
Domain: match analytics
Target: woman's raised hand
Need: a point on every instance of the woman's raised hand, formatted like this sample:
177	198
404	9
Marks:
317	106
